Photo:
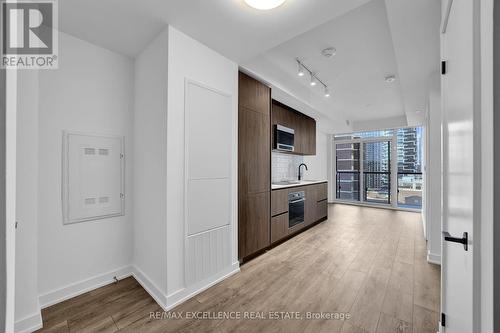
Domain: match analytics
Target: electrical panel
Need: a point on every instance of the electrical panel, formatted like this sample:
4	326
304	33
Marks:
93	177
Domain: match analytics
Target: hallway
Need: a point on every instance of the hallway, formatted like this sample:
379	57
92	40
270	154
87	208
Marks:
366	262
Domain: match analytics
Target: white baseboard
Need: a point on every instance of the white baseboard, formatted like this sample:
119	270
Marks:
183	295
150	287
34	322
29	324
81	287
434	258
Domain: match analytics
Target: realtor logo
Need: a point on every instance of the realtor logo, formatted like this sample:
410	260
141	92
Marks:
29	34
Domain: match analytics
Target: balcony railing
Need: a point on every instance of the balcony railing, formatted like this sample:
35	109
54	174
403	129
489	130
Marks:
410	190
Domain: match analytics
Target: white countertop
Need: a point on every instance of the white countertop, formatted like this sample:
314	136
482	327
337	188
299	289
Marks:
301	183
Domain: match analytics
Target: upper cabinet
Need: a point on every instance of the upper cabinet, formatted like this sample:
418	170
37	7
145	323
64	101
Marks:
304	128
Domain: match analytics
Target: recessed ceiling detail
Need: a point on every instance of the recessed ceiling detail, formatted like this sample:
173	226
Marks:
264	4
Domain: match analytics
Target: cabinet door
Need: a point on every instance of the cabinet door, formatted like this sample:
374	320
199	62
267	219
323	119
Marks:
254	151
321	191
279	227
310	209
309	136
300	134
254	95
279	202
321	209
254	233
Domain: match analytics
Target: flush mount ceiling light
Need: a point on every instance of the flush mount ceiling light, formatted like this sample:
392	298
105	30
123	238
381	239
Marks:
390	78
264	4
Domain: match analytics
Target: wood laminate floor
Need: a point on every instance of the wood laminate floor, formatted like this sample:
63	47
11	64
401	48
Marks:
366	262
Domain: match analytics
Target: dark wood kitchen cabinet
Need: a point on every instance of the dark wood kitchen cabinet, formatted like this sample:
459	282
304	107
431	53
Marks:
315	209
279	227
304	127
321	201
310	207
254	166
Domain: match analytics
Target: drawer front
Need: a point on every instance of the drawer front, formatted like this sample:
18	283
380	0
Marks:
321	209
322	191
279	227
279	202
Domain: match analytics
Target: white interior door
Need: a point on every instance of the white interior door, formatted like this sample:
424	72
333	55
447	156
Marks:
459	158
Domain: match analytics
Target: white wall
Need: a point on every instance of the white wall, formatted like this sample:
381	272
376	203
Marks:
92	91
27	311
188	59
318	165
150	165
434	174
3	238
10	195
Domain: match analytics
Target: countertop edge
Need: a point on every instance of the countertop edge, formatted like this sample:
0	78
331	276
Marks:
283	187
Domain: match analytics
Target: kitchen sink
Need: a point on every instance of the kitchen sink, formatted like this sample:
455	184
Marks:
287	182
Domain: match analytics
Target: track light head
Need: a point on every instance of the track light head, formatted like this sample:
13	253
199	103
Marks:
300	71
313	80
327	92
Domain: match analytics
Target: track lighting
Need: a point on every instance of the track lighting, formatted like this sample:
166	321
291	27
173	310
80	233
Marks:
314	80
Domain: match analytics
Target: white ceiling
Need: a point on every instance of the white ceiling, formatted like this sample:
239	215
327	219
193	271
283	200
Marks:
398	37
228	26
373	39
355	74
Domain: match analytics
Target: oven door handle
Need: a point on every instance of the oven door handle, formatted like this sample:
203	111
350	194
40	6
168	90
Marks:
297	201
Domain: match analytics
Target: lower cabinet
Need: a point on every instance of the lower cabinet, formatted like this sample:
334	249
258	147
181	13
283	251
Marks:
279	227
310	206
315	209
253	223
321	209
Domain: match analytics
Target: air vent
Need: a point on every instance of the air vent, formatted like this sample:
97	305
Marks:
89	151
103	200
90	201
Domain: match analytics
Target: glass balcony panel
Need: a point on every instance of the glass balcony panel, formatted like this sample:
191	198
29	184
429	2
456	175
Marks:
410	190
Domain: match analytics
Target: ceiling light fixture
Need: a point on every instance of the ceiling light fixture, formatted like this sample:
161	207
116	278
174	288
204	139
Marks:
327	92
314	78
390	78
264	4
300	71
329	52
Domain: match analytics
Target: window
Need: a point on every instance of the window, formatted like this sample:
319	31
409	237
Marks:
380	167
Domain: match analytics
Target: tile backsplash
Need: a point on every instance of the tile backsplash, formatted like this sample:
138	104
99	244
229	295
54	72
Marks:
284	166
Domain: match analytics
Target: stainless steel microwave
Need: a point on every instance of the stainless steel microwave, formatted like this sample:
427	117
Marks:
284	138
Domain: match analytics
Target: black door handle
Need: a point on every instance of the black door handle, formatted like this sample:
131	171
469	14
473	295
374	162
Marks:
464	240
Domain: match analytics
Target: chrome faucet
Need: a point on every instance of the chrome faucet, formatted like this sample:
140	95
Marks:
299	170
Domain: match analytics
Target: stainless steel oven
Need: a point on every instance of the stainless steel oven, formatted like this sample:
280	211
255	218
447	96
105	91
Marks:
284	138
296	207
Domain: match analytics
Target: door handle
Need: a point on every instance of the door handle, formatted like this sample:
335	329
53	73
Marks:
464	240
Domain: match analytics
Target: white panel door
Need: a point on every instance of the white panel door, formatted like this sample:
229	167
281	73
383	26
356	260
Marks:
208	122
459	158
